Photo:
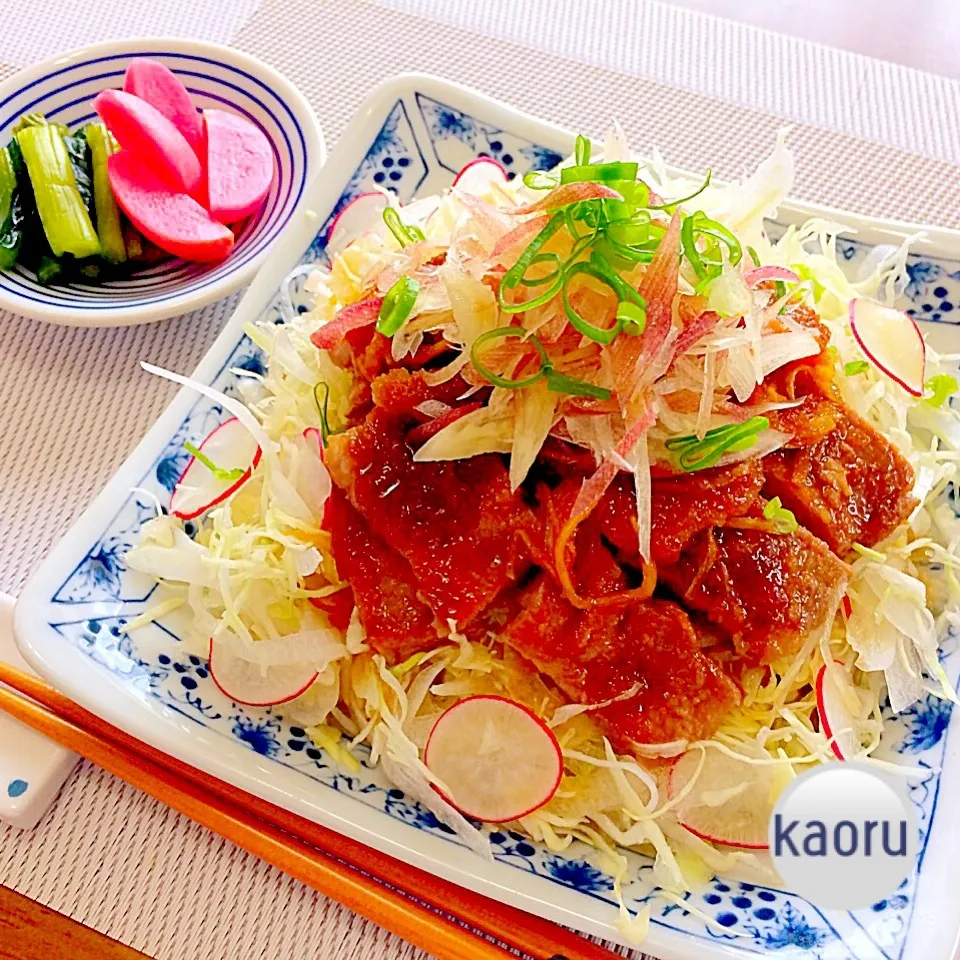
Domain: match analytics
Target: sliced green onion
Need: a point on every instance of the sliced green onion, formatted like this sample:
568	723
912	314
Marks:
632	317
598	268
713	229
322	404
397	304
783	519
546	278
695	454
754	256
581	152
515	275
404	235
227	476
854	367
599	173
676	203
780	289
688	241
941	388
561	383
506	382
538	180
557	382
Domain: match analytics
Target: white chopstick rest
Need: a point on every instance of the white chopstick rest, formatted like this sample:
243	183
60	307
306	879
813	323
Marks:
32	768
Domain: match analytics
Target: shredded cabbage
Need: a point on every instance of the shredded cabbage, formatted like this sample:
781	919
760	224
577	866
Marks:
258	559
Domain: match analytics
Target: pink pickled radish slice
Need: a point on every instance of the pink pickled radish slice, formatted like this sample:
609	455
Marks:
150	80
168	218
239	166
150	137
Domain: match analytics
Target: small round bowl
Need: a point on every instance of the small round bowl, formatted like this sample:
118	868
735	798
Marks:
216	76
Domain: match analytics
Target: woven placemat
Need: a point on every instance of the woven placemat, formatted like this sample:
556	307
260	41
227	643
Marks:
74	403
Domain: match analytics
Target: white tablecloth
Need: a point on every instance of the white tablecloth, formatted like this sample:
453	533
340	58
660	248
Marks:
72	404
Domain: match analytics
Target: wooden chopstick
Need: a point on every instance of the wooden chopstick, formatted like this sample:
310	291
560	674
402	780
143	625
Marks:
382	904
533	935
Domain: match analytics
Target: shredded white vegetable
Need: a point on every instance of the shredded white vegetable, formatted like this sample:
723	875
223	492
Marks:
260	575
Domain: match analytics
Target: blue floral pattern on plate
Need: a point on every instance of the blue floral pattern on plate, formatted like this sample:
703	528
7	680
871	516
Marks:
421	143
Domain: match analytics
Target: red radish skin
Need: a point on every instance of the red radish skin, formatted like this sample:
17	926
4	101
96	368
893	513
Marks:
824	713
239	165
172	220
286	698
738	845
480	170
313	435
540	723
150	80
150	137
673	790
916	350
344	224
192	514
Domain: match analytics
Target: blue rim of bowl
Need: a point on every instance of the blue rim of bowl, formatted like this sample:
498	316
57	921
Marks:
174	286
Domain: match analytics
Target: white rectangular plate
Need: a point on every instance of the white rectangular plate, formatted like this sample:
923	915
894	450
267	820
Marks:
412	134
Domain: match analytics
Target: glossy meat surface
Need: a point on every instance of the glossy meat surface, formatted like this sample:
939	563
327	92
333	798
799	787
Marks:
397	623
767	591
849	485
649	648
459	526
682	507
597	655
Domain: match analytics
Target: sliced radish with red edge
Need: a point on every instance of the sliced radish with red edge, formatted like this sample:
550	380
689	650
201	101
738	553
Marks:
231	447
731	801
476	176
255	685
892	341
356	218
837	720
499	760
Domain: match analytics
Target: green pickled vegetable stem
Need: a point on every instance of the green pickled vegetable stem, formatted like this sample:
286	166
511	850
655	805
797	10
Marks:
64	215
11	208
109	225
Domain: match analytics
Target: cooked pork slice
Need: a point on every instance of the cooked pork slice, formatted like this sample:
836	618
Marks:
849	486
647	653
396	622
457	523
682	506
768	591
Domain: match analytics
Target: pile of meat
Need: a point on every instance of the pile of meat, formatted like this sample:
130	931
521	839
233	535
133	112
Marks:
429	548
